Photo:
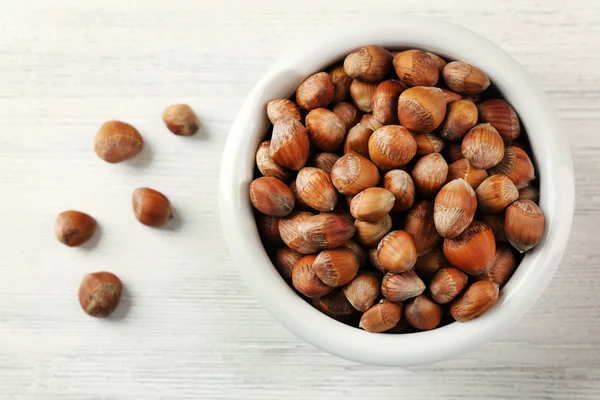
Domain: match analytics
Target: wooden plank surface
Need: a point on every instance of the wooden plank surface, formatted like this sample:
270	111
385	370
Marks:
188	327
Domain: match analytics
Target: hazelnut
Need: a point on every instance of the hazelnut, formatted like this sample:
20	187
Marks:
391	147
325	161
454	208
400	287
117	141
357	140
447	284
266	165
461	116
483	146
524	224
416	68
100	293
421	109
429	174
74	228
315	92
353	173
315	188
385	101
370	122
342	210
401	185
428	143
462	169
268	228
529	193
450	96
503	267
362	93
473	250
372	204
396	252
326	231
285	259
370	233
423	313
326	130
336	305
289	144
348	113
464	78
517	166
430	263
475	302
336	267
306	281
496	193
419	223
341	84
368	64
153	208
381	317
501	116
363	291
181	120
292	236
283	108
268	195
496	222
439	61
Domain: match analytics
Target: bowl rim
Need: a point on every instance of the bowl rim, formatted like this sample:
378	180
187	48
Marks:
550	149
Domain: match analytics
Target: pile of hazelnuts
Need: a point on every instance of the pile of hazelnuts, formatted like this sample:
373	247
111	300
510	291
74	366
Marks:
395	191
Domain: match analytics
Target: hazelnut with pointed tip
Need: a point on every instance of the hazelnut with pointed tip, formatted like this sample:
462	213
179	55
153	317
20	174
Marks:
306	281
341	84
391	147
357	140
419	223
372	204
73	228
381	317
416	68
524	224
100	293
153	208
423	313
315	92
483	146
472	251
268	195
285	259
428	143
475	302
396	252
282	108
421	109
181	120
362	94
462	169
370	233
384	102
429	174
454	208
117	141
501	116
336	267
266	165
461	116
348	113
447	284
517	166
400	287
325	129
363	291
353	173
370	63
316	189
464	78
289	144
401	185
496	193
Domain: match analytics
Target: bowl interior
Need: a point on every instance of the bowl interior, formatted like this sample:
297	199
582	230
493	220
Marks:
553	166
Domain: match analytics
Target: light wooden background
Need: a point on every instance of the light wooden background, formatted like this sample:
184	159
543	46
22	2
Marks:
188	327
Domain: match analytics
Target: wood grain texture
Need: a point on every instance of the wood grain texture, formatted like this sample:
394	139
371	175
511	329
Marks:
188	327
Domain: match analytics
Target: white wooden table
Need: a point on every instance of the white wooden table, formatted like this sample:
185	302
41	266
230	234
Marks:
188	327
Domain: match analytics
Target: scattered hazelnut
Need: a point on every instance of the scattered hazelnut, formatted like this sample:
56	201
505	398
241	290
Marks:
266	165
400	287
100	293
341	84
462	169
293	236
447	284
517	166
396	252
336	305
285	259
357	140
501	116
503	267
370	233
472	251
363	291
384	102
429	174
401	185
117	141
315	188
326	130
336	267
483	146
348	113
423	313
74	228
381	317
419	223
325	161
430	263
306	281
353	173
372	204
370	122
496	193
450	96
461	116
153	208
454	208
428	143
326	231
181	120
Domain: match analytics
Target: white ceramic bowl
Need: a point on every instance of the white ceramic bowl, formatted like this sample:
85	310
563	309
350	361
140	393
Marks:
554	169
